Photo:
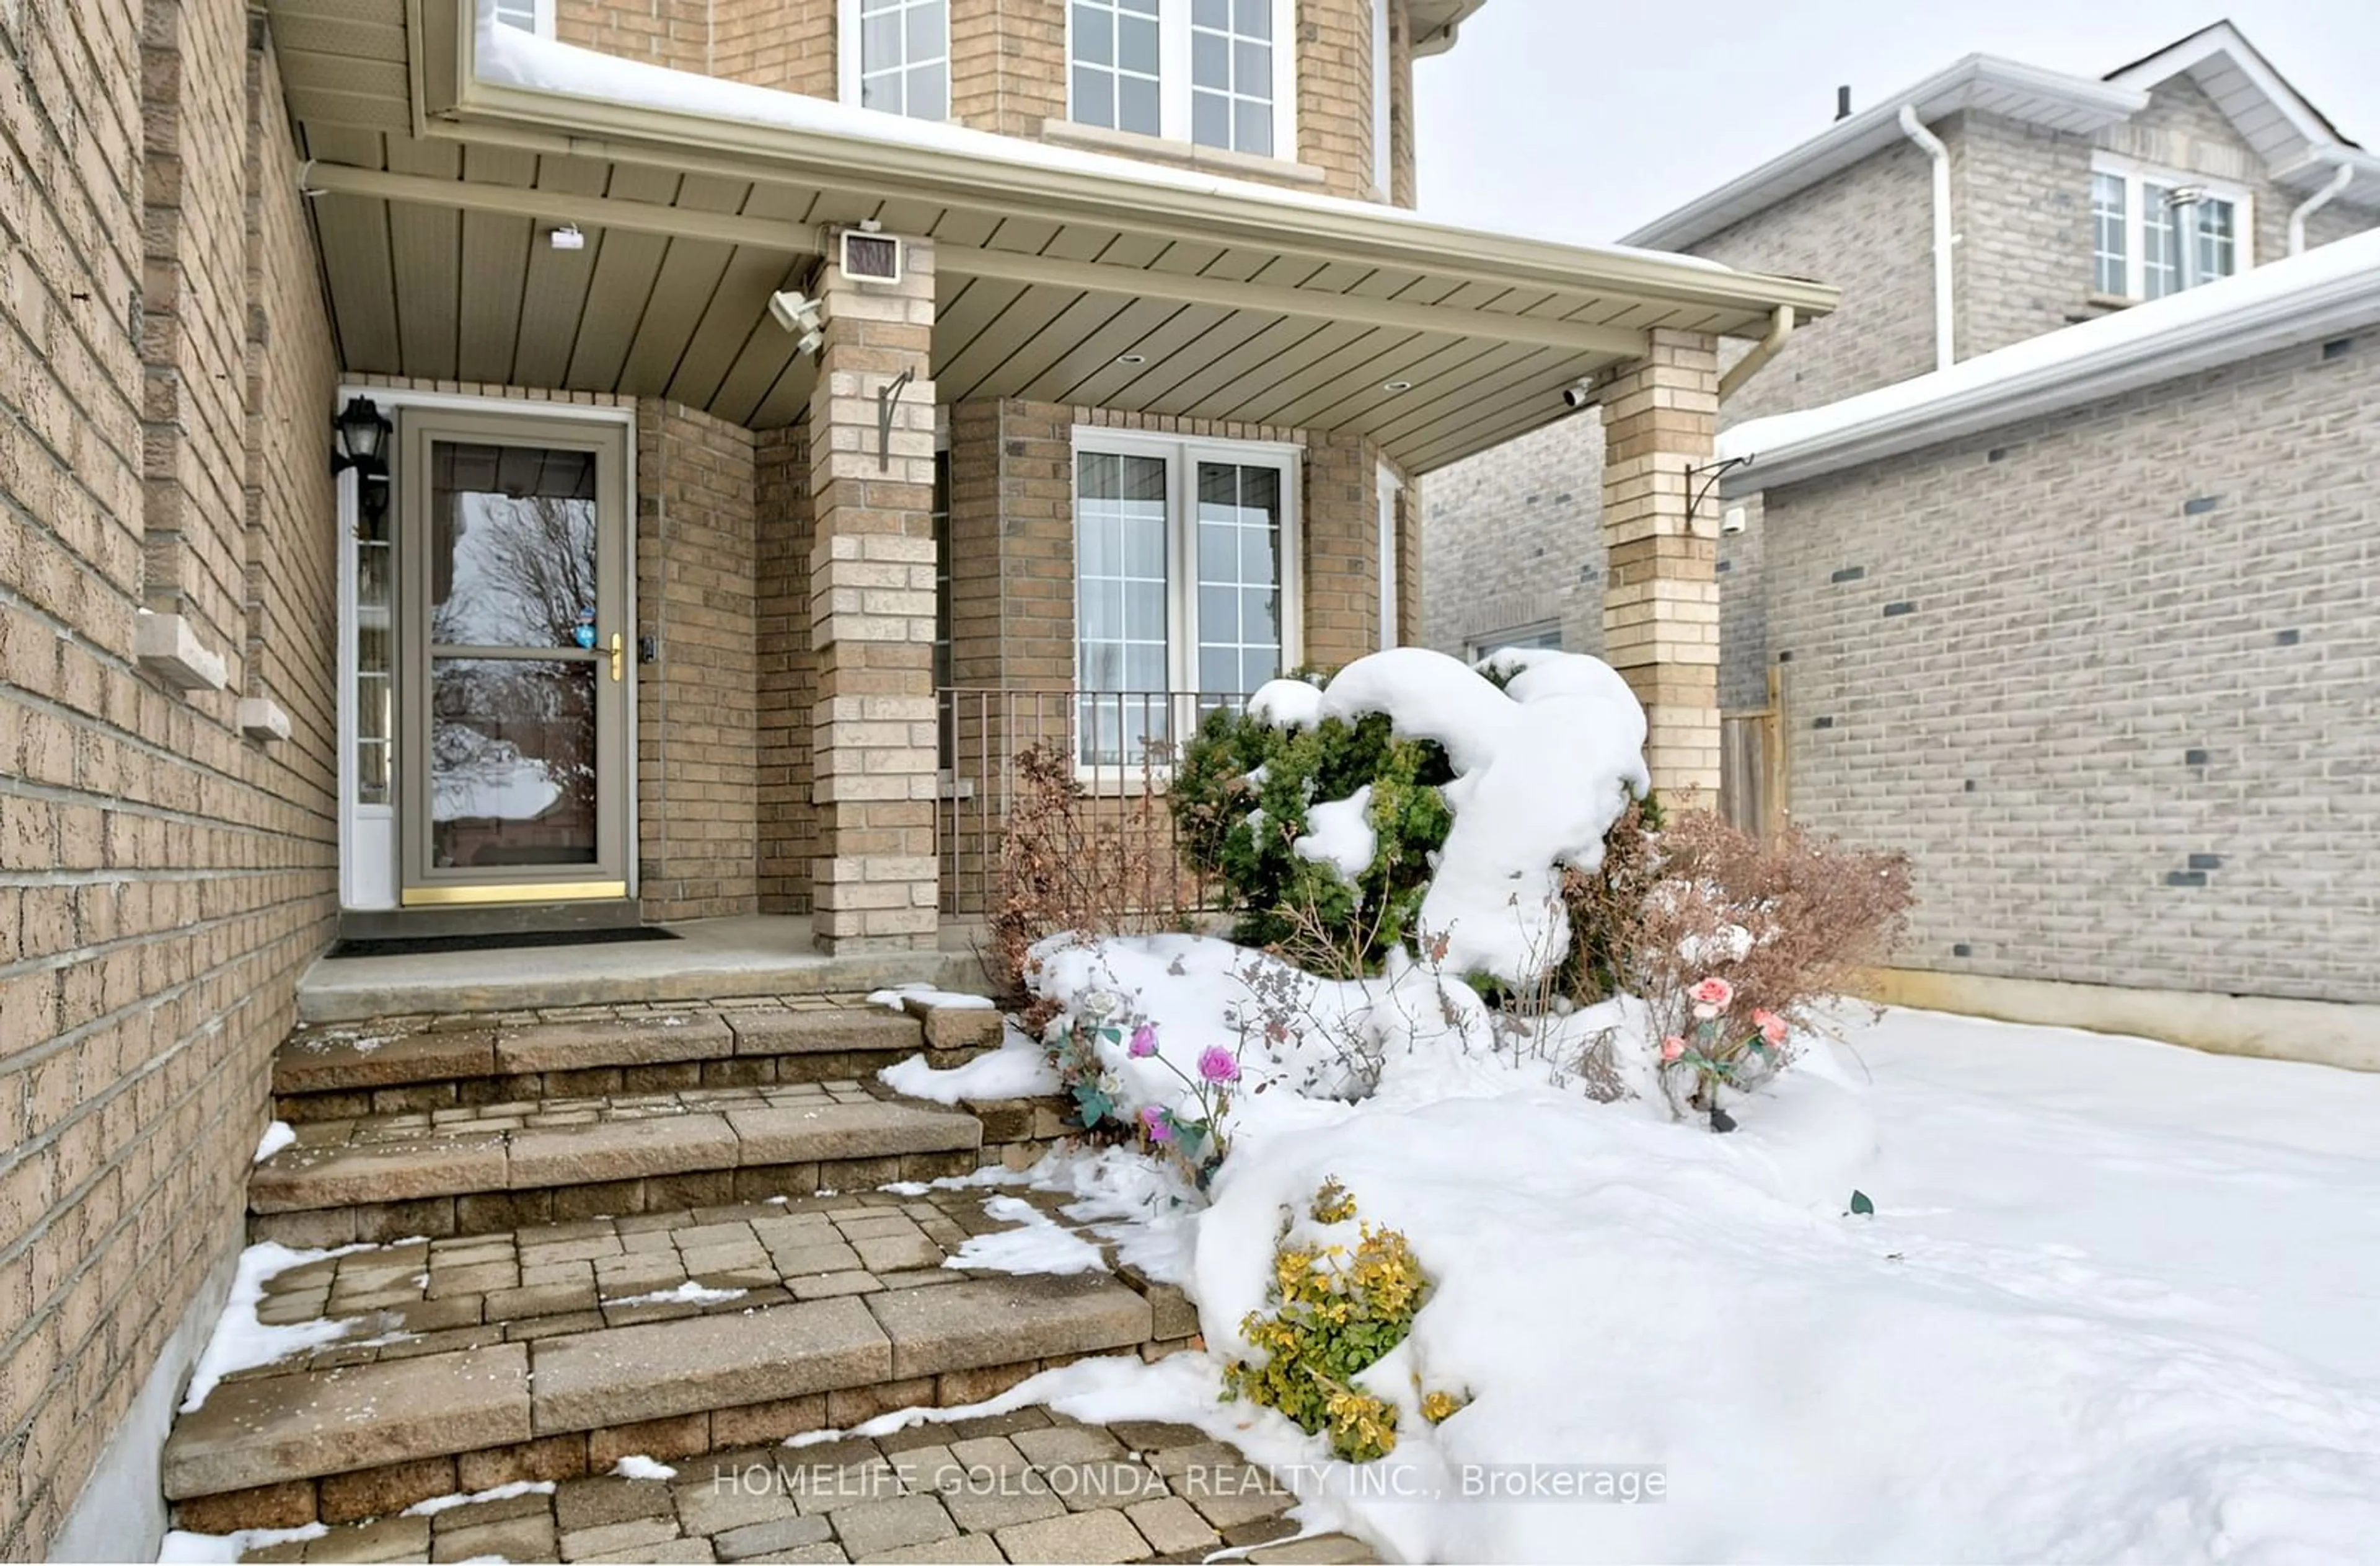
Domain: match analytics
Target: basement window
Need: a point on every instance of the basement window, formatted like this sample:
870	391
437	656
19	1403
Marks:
1185	584
2156	232
895	57
529	16
1215	73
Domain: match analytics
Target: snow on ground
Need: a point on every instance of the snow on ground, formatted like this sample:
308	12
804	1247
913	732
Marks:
2115	1302
1020	1068
1039	1243
277	1135
240	1342
637	1465
900	996
687	1293
205	1550
439	1503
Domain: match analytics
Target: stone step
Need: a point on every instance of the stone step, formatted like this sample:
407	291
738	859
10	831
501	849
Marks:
486	1168
549	1351
343	1071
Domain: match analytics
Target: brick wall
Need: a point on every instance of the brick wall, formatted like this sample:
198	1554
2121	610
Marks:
676	33
1008	71
788	44
163	881
1512	540
785	677
2124	743
1342	550
698	756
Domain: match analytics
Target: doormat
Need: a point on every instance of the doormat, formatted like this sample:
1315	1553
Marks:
426	945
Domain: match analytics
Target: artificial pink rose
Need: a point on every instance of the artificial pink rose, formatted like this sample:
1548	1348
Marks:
1672	1046
1714	992
1771	1026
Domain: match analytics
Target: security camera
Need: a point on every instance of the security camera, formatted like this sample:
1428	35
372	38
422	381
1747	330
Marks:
1579	394
794	311
1732	520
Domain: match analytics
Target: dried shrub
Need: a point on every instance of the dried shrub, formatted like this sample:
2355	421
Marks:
1785	923
1070	861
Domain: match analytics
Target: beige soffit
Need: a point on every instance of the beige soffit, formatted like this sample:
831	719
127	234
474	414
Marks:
2298	142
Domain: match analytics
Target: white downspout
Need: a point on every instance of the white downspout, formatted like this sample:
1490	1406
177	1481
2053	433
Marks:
1945	349
2316	202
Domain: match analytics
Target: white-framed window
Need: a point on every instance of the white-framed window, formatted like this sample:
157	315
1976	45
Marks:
1219	73
896	55
529	16
2156	232
1185	582
1549	634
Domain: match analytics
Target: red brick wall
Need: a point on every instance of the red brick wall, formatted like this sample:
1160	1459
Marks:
698	761
163	881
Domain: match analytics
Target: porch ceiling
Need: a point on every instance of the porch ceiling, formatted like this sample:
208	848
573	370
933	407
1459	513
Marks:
432	221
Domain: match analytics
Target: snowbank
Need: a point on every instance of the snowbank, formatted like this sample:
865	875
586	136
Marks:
242	1342
1543	768
1020	1068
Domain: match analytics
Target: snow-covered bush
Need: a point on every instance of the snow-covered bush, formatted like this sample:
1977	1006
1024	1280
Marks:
1447	834
1322	834
1335	1310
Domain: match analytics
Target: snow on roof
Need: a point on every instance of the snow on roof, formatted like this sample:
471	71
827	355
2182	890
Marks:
509	56
2320	294
2294	137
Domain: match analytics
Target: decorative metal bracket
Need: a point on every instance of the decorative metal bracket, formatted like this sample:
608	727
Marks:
1716	470
888	401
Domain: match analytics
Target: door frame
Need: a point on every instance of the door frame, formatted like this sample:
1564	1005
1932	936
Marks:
373	872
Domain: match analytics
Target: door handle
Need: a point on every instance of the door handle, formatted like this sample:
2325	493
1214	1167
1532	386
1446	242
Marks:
619	658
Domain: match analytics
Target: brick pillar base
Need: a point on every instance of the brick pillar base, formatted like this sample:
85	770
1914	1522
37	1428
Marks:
873	882
1661	599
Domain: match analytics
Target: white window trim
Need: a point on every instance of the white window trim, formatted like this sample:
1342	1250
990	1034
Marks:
849	66
1386	496
2135	173
1173	74
1182	453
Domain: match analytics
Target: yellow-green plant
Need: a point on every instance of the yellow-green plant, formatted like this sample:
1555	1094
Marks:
1334	1314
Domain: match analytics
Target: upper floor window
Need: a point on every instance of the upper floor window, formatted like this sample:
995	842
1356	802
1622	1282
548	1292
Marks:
896	57
2154	232
529	16
1219	73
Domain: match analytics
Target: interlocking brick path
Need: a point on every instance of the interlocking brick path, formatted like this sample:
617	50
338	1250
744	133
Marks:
428	1296
1027	1486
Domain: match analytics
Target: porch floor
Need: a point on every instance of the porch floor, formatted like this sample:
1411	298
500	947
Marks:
768	954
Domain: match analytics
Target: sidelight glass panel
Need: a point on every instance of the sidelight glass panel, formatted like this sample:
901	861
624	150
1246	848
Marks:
512	762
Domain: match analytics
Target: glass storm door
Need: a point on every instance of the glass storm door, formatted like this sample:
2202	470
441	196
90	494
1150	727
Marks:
515	669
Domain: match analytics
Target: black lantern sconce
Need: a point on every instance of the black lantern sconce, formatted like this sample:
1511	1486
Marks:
360	436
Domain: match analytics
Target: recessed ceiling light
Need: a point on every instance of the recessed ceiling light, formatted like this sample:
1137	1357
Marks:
1396	387
1132	359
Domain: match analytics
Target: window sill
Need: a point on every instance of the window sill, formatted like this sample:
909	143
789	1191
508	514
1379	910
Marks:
2110	301
1182	154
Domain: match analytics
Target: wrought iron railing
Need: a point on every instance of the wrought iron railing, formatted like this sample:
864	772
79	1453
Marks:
1121	746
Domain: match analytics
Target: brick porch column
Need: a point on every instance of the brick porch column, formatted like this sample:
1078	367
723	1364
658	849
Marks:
1661	599
873	882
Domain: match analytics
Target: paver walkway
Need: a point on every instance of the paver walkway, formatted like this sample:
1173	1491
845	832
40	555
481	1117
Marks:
1019	1487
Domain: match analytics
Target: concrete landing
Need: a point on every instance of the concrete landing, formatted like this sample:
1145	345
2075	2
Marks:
714	959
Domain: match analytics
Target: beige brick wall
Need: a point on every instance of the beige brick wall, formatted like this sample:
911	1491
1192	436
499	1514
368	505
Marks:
786	677
162	879
697	739
1008	70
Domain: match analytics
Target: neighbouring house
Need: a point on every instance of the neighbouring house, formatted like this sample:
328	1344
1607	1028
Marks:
2055	539
588	463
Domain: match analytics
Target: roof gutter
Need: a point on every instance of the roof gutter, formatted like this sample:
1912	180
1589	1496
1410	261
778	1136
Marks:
2316	202
2335	291
1946	352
